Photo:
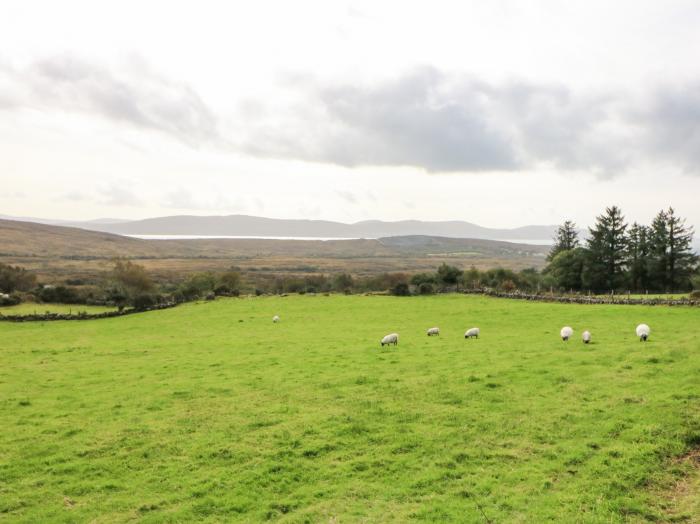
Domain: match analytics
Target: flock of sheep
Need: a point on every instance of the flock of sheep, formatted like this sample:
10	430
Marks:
393	338
643	331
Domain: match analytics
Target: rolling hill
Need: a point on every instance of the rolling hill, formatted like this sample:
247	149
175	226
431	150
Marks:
59	251
252	226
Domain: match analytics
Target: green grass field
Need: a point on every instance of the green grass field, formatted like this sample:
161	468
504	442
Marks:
29	308
211	412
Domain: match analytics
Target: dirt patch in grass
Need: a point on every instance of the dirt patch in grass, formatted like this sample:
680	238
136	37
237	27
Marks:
681	503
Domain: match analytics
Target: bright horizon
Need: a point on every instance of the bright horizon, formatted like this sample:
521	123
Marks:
503	115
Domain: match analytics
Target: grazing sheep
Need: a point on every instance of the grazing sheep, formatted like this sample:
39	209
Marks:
276	319
643	332
566	333
473	332
433	331
586	337
392	338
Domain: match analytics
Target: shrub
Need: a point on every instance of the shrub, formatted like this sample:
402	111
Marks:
15	278
695	281
59	294
401	290
343	282
423	278
426	288
144	301
222	290
231	280
448	274
695	295
508	286
9	300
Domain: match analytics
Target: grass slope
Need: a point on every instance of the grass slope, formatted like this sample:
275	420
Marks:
29	308
211	412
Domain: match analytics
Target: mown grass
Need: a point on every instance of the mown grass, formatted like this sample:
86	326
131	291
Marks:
211	412
30	308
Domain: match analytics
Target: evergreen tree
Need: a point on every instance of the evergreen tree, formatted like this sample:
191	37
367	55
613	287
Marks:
606	251
658	252
681	258
566	239
638	248
567	268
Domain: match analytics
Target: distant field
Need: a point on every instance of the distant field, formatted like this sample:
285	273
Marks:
29	308
209	411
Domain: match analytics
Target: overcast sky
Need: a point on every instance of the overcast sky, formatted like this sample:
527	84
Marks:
502	113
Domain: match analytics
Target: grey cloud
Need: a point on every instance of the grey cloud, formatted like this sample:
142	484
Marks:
137	96
452	123
670	123
408	122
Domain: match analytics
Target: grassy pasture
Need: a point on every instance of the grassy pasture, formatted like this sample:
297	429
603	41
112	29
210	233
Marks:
211	412
28	308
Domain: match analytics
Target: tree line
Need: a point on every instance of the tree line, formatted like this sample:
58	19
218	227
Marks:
617	256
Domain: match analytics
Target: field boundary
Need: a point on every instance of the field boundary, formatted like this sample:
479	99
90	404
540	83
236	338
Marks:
561	299
565	299
42	317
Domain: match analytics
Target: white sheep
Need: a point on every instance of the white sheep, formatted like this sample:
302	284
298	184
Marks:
473	332
566	333
276	319
392	338
433	331
586	336
643	331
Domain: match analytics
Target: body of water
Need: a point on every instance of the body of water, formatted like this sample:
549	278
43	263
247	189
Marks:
537	242
213	237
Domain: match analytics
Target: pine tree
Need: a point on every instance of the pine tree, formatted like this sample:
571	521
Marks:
681	259
638	256
658	252
606	251
565	240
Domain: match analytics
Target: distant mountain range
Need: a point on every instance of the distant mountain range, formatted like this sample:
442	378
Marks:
251	226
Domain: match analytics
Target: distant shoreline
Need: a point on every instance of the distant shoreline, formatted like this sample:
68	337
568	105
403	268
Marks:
536	242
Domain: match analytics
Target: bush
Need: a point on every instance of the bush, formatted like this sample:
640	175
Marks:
9	300
231	280
448	274
222	290
15	278
144	301
695	295
423	278
508	286
695	281
426	289
401	290
343	282
59	295
197	285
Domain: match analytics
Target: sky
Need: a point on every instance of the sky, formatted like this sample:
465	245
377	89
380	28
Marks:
501	113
